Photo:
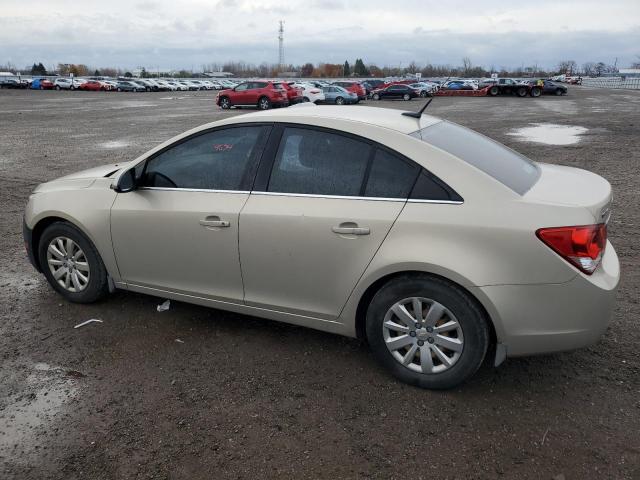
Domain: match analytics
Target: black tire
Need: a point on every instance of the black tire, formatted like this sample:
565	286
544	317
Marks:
406	97
264	103
97	286
41	87
494	91
558	92
536	92
521	91
118	89
306	99
72	87
423	93
339	101
468	314
57	87
225	103
376	96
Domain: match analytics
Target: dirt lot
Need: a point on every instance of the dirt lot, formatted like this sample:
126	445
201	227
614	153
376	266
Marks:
196	393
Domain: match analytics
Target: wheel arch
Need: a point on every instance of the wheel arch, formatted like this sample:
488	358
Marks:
377	284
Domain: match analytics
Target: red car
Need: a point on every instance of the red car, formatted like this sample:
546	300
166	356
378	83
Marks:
92	85
263	94
353	87
294	94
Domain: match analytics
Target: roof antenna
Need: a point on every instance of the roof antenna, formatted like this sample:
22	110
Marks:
418	114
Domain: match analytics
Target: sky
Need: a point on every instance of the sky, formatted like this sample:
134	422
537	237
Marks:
187	34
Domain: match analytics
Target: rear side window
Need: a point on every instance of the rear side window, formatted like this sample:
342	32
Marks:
218	160
505	165
390	176
319	163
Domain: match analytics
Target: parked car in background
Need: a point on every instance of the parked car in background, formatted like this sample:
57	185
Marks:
294	93
41	84
92	85
353	87
339	96
424	89
510	86
442	248
129	86
551	88
164	85
263	94
109	84
13	83
397	91
458	85
310	93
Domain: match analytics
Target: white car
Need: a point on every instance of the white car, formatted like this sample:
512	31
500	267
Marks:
179	86
310	93
167	85
432	242
68	83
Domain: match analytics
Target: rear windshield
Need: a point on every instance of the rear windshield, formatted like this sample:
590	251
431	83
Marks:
505	165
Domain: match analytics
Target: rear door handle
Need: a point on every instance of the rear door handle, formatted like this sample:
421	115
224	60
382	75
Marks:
350	228
213	221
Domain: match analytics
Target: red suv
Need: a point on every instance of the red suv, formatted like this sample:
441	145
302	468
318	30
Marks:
294	94
262	93
353	87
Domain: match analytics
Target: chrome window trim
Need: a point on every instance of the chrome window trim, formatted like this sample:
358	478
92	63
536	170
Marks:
354	197
172	189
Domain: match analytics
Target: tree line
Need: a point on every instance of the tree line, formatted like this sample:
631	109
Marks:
333	70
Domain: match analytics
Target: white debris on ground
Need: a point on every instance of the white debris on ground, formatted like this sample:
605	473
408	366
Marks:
92	320
164	306
550	134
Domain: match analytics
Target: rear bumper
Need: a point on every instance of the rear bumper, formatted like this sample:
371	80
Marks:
537	319
27	234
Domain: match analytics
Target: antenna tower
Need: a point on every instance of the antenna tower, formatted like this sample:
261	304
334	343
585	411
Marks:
281	45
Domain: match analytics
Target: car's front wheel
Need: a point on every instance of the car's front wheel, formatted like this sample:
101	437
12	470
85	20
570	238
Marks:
406	97
558	92
71	263
225	103
376	96
427	331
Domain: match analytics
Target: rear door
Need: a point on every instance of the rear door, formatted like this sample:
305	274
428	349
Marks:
323	204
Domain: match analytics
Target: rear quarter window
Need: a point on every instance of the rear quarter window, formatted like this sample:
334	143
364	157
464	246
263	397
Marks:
496	160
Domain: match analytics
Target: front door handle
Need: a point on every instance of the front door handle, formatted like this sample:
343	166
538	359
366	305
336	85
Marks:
350	228
213	221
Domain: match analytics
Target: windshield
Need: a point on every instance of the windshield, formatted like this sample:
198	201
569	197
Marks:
505	165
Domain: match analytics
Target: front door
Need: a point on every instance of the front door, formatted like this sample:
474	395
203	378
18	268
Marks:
328	205
179	230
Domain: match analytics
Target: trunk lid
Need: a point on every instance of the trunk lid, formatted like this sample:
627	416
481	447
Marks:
572	186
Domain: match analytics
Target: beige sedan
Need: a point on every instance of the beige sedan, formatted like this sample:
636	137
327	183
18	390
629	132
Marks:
432	242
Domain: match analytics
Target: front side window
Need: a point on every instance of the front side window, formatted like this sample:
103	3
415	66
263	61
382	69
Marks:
320	163
242	87
217	160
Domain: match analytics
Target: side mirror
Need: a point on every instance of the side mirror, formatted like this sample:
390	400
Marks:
126	182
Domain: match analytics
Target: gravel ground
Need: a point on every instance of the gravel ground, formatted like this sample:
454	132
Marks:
197	393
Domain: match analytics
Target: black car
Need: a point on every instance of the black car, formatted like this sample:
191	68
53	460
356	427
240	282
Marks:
13	83
404	92
553	88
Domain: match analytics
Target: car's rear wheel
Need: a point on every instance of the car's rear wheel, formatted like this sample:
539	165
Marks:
427	331
57	87
493	91
376	96
558	92
264	103
306	99
225	103
72	264
406	97
423	93
536	92
339	101
521	91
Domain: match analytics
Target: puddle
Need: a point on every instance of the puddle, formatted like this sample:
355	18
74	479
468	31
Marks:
114	144
30	413
550	134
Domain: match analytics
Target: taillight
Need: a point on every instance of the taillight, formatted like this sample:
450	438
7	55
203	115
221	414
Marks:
582	246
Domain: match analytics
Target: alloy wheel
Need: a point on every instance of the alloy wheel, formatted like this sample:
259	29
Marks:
68	264
423	335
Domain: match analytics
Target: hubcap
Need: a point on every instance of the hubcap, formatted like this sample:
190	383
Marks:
68	264
423	335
